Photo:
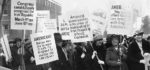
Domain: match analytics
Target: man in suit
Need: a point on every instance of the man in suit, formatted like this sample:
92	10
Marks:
62	63
136	52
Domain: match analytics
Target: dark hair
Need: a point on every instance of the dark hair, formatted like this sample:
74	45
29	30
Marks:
11	42
57	37
114	37
17	40
65	42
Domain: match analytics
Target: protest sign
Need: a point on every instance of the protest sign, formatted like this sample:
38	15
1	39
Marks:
98	22
4	68
41	15
44	48
64	28
80	26
120	20
23	14
6	47
147	60
47	25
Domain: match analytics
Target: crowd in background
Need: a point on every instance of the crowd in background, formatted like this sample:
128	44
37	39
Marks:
117	52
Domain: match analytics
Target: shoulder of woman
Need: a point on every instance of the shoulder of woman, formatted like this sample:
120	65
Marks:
110	49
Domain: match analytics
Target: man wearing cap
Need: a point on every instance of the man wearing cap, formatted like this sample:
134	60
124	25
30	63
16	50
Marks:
136	52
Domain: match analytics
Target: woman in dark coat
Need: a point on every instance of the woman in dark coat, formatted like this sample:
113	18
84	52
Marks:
116	56
136	52
101	52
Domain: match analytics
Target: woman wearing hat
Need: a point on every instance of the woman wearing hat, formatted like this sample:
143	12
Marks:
136	52
116	56
100	50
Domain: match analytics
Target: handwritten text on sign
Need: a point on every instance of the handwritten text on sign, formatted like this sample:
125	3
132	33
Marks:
44	48
117	17
80	28
23	14
64	28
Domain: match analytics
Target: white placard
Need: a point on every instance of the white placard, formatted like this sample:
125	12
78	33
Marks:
147	62
47	25
98	22
64	28
120	21
23	14
80	26
44	48
4	68
41	15
6	47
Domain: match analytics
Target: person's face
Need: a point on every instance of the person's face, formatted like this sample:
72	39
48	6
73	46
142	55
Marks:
11	44
99	43
138	38
18	44
84	43
59	44
115	42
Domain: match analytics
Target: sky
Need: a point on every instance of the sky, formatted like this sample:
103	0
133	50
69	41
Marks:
91	5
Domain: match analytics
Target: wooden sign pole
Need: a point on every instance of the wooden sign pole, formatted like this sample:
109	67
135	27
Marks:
23	51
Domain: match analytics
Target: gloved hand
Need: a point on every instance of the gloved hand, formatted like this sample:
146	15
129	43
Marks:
32	59
142	61
146	54
101	62
94	54
82	55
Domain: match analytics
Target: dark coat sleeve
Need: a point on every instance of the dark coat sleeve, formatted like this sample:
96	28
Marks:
146	46
133	53
124	56
15	57
108	58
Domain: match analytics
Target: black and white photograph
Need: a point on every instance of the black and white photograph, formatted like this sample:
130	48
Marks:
74	34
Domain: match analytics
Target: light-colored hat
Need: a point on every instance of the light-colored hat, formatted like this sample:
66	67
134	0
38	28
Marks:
98	37
139	32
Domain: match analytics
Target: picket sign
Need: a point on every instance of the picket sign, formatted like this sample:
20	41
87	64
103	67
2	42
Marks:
4	68
41	15
64	28
80	27
98	22
44	48
120	19
6	47
147	64
23	14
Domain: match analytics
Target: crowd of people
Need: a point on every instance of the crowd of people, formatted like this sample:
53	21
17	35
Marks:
116	53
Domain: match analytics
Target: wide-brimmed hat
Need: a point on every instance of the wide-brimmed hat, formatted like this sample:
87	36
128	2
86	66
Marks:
17	40
139	32
98	37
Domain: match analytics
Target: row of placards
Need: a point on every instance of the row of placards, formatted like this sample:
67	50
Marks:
25	17
76	26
